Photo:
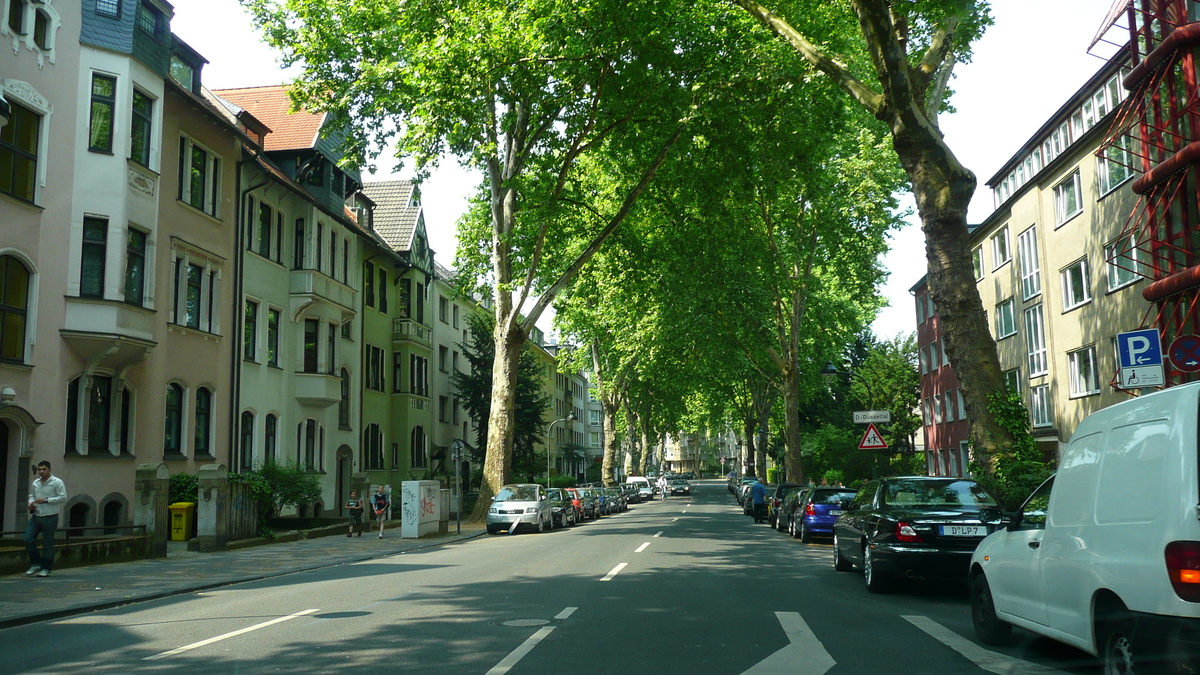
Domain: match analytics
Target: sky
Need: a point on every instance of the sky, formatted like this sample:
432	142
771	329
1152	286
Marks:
1024	68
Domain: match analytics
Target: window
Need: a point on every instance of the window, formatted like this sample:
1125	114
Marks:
405	298
183	73
135	266
372	448
320	240
344	401
1035	341
454	360
139	128
173	433
311	342
1123	263
977	262
245	459
1031	274
273	337
250	339
100	128
203	422
397	371
18	152
270	435
1006	323
108	7
14	309
1084	379
418	375
1000	252
383	289
419	301
196	288
91	269
1067	199
266	216
443	309
332	252
443	358
454	316
1076	285
1040	406
950	406
418	451
346	330
99	415
1114	167
200	186
308	432
16	16
369	284
921	310
594	417
594	439
443	408
937	409
923	363
1012	379
298	245
374	372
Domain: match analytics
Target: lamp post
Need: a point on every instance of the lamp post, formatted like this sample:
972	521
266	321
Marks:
829	372
456	452
569	418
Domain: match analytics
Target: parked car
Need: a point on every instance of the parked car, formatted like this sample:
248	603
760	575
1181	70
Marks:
589	502
775	500
516	505
616	499
743	487
604	507
576	502
748	501
679	486
911	526
788	507
690	475
562	507
817	511
1105	555
631	493
645	489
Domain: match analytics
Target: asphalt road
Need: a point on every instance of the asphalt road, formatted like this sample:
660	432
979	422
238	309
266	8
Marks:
688	585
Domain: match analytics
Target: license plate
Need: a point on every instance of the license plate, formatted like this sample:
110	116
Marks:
836	512
964	531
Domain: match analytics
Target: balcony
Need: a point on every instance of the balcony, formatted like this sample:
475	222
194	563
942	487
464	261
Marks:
307	286
318	390
108	333
407	330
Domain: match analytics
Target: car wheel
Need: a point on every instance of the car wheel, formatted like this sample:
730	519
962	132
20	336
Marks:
541	525
792	528
988	628
1117	648
805	535
839	563
875	580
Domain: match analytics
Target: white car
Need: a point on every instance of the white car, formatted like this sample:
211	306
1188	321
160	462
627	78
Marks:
1105	555
645	490
517	505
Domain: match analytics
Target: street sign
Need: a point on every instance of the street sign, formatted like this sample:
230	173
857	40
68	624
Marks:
1140	356
1185	353
872	440
869	416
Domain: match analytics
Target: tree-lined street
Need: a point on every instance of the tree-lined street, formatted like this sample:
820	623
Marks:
685	585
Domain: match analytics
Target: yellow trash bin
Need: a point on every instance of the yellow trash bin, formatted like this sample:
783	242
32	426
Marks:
182	515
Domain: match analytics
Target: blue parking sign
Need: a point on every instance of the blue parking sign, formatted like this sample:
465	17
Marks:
1140	348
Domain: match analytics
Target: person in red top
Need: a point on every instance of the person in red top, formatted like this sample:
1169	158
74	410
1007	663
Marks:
381	503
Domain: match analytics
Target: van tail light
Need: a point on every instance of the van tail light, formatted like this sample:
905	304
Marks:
906	533
810	510
1183	568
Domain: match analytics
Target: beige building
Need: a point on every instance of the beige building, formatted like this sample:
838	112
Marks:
1057	278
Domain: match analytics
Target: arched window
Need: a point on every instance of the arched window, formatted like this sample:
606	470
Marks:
246	448
271	430
203	422
173	434
418	455
14	309
344	403
78	515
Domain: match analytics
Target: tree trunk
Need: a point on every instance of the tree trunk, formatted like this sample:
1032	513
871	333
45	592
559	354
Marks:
631	435
644	459
791	403
497	464
748	454
612	445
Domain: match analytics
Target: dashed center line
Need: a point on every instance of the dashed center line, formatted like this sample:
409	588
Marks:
658	535
566	613
674	519
520	652
642	547
614	572
228	635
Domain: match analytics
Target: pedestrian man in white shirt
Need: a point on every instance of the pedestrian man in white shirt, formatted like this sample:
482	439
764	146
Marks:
46	496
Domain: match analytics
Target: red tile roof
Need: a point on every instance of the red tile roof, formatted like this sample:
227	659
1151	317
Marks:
273	107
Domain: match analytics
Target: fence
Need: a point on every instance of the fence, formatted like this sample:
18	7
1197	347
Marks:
241	514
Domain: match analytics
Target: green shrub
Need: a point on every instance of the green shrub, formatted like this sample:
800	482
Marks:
562	481
286	485
183	488
1020	468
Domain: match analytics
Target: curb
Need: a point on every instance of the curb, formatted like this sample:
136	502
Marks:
110	604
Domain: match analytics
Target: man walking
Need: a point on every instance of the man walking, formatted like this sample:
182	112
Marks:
45	497
381	502
758	492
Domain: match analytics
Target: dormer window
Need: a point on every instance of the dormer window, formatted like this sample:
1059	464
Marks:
149	20
108	7
183	73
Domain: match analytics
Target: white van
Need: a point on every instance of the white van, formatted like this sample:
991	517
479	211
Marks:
645	489
1105	556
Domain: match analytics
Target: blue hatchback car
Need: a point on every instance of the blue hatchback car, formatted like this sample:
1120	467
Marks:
816	513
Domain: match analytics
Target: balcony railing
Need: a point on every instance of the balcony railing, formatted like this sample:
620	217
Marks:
407	329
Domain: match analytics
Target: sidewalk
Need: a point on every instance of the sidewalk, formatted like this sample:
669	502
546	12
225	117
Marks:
83	589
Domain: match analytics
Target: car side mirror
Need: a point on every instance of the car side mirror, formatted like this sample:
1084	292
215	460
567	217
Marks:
1012	522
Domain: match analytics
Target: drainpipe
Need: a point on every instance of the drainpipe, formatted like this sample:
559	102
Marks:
239	316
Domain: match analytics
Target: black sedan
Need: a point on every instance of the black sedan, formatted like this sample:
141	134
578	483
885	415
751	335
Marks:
913	526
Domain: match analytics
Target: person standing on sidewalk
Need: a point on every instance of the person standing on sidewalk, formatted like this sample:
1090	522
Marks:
758	492
382	503
355	506
46	496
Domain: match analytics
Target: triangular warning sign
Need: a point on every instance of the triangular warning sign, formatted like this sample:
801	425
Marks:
872	440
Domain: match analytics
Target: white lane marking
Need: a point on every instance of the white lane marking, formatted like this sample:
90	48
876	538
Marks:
986	659
674	519
520	652
658	535
642	547
614	572
226	636
566	613
804	655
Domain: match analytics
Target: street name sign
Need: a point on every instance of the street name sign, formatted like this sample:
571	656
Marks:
869	416
872	440
1140	357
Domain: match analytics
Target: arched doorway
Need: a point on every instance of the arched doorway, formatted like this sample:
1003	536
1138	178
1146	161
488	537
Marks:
345	469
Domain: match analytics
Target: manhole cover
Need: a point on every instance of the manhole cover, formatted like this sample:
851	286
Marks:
523	623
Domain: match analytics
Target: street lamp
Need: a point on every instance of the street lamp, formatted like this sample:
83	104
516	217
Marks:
569	418
829	372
